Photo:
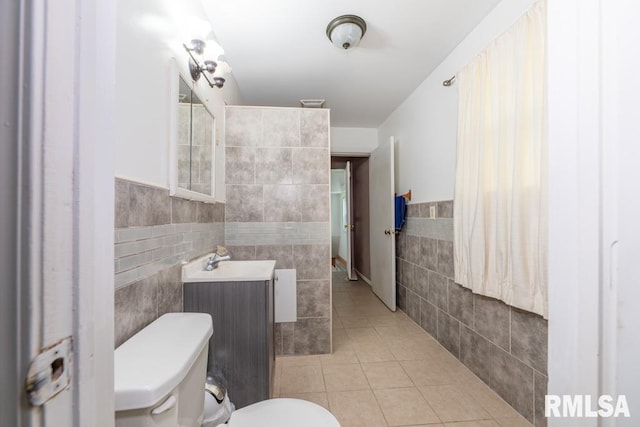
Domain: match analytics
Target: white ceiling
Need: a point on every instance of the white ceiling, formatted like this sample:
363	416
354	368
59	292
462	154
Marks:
280	53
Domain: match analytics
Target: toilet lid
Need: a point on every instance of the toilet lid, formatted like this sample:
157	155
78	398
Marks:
283	413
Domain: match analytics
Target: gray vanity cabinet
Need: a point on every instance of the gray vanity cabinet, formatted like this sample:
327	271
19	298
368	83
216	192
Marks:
242	344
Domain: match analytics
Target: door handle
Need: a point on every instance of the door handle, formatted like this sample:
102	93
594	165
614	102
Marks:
349	226
387	232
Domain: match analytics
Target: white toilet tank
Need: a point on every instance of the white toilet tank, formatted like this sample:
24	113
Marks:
159	373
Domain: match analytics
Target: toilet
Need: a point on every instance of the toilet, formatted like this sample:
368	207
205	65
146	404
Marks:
159	373
159	378
282	413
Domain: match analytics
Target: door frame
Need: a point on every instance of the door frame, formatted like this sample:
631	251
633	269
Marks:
63	69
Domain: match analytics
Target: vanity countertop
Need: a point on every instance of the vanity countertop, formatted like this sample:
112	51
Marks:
228	271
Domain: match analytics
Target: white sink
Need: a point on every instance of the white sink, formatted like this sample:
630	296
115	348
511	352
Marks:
228	271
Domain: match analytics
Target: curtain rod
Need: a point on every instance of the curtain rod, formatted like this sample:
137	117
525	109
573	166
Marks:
449	82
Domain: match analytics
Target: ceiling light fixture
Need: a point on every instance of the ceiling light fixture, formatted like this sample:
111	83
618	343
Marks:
217	68
346	31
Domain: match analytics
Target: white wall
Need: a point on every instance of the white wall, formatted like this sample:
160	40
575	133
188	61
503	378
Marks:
424	125
353	140
149	34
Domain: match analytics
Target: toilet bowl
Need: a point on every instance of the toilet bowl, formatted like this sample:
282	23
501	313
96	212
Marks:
159	373
283	413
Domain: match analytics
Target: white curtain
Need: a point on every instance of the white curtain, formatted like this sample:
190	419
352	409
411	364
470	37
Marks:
500	203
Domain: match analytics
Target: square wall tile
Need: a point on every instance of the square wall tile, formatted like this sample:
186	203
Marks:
243	127
314	128
461	303
312	336
148	205
282	254
313	298
413	249
401	297
135	307
513	381
121	203
421	282
438	290
429	317
476	353
445	209
491	319
449	333
281	127
281	203
413	306
273	166
209	212
445	258
245	203
244	253
429	253
314	202
311	166
170	290
183	210
312	262
240	165
529	339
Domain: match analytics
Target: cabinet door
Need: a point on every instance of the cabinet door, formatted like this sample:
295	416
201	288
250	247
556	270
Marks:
238	347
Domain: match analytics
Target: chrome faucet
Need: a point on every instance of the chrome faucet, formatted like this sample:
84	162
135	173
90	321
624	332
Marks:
220	255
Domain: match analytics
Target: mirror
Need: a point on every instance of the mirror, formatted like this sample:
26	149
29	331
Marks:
193	146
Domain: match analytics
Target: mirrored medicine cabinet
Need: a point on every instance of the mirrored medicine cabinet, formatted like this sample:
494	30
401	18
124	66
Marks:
192	142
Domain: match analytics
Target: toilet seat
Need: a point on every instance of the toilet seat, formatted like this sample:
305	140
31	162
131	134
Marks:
283	413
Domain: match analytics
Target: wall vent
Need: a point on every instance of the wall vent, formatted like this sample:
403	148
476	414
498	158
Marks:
312	103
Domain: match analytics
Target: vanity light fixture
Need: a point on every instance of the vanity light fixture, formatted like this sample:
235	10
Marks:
346	31
216	68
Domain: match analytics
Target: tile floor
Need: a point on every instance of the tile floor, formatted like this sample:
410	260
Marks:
386	371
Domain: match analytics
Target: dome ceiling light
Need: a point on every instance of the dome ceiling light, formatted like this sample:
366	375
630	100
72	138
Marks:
346	31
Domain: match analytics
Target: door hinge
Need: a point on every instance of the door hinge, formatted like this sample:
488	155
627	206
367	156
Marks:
49	372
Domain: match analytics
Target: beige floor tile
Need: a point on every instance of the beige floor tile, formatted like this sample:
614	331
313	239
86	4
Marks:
386	375
395	332
298	360
355	322
453	403
343	343
389	319
356	409
491	402
318	398
406	349
368	352
402	406
344	377
363	335
340	356
475	423
301	379
430	373
518	421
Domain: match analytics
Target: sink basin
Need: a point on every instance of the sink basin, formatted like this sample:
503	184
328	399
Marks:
228	271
